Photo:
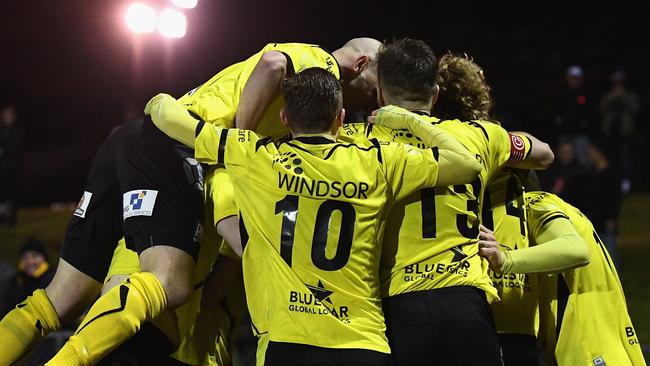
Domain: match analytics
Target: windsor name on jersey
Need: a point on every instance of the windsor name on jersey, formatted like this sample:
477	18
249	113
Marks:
311	214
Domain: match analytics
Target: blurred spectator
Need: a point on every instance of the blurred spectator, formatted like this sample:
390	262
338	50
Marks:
603	198
619	108
574	113
34	272
10	142
566	177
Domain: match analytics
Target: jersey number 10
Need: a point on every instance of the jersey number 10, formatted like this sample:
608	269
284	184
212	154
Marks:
288	206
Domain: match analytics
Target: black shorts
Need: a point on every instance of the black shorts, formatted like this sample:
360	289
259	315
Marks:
281	354
446	326
521	350
142	186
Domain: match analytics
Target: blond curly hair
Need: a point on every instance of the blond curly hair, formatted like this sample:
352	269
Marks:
464	92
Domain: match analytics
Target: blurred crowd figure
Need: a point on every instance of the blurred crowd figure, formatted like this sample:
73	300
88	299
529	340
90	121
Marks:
595	150
10	144
619	109
33	272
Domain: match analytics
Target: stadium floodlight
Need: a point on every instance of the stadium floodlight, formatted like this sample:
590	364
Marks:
172	24
185	4
141	18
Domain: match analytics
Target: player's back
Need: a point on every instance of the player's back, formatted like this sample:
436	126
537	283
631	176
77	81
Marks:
311	214
583	311
431	237
216	100
312	210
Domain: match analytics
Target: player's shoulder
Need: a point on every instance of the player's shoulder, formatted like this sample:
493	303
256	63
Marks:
353	132
540	203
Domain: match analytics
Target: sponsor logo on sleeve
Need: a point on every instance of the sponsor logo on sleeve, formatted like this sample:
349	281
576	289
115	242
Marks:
82	206
139	203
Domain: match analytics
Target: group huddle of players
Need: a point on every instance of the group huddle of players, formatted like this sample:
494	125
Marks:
415	237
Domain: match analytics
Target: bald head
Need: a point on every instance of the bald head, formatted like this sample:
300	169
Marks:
357	62
363	46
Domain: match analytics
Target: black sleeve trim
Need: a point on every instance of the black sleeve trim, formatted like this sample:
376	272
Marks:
290	69
553	217
375	142
198	129
243	232
436	153
222	146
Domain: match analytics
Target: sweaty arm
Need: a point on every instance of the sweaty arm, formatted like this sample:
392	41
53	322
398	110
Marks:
456	164
261	88
540	157
559	248
172	118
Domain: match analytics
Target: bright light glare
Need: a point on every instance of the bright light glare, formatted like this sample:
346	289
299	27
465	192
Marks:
172	23
141	18
186	4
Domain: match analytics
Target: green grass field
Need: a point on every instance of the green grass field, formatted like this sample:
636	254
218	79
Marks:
634	246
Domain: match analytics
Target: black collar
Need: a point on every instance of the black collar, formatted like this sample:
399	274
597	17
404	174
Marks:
314	140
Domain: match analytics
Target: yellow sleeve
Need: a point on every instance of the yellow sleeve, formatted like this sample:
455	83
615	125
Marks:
540	211
559	248
511	148
408	168
220	193
229	146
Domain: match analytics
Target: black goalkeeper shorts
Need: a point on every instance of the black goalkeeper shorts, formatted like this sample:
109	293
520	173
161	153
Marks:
142	186
446	326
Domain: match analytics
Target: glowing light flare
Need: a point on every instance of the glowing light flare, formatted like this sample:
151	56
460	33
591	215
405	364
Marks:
172	23
185	4
141	18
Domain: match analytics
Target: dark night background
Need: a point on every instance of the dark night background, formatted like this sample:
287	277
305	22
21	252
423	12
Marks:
75	72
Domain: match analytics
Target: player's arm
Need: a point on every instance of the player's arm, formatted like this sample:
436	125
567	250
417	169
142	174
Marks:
261	88
225	273
212	144
540	155
172	118
228	228
456	165
559	248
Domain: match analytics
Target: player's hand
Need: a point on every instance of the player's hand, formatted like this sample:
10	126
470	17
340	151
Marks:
488	248
372	116
393	117
154	104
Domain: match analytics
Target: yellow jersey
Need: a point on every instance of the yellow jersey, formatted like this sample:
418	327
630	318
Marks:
583	313
310	215
216	100
503	212
431	236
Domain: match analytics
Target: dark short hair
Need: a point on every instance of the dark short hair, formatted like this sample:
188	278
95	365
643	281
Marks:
407	68
313	98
